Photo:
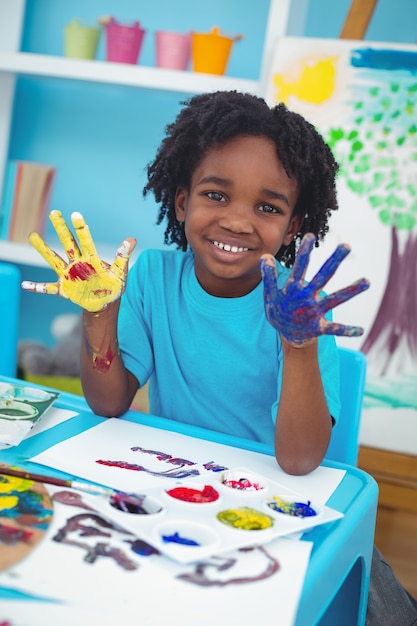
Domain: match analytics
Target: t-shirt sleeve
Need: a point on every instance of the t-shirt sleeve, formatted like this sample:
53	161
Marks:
135	339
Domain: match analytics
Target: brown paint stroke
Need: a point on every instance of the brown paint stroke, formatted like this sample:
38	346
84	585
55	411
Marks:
199	576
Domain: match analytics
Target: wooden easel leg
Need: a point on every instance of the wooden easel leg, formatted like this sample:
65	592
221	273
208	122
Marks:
357	19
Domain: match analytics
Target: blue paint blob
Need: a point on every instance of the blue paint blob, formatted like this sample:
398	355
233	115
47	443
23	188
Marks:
176	538
380	59
294	509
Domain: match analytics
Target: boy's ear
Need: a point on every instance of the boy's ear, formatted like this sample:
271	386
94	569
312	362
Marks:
295	224
180	200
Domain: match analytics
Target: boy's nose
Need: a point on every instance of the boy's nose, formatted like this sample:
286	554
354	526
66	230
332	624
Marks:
236	219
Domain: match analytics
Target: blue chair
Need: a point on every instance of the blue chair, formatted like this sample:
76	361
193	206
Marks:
9	318
344	443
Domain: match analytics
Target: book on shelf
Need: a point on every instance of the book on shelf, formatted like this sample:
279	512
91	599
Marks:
26	196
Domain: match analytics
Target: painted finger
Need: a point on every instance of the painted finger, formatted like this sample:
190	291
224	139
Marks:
303	257
88	249
338	297
48	288
329	267
121	260
269	277
332	328
52	258
65	236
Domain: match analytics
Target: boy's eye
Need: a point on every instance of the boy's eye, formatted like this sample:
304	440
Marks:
268	208
216	196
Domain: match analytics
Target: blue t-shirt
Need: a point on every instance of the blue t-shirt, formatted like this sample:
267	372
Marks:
211	362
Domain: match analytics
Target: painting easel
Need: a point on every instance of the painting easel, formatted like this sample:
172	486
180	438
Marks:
358	18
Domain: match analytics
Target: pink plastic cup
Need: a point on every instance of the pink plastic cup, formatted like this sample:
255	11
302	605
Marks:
172	50
123	43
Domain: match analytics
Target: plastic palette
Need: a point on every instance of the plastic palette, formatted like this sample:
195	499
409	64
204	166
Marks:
234	510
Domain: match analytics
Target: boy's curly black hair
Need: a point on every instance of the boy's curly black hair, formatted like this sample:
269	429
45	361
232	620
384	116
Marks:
211	119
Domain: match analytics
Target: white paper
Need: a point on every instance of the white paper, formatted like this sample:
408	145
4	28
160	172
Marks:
54	417
35	613
156	590
114	438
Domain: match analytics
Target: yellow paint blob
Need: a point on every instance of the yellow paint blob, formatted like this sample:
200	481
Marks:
12	483
8	502
245	518
314	83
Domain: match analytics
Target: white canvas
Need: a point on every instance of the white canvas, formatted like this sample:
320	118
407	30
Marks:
362	96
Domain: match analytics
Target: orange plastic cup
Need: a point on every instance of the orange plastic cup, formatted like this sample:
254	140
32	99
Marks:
210	52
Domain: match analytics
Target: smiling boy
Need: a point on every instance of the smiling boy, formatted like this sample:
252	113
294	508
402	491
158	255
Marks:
228	336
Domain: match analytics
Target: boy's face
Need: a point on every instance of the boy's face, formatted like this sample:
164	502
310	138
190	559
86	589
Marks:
239	207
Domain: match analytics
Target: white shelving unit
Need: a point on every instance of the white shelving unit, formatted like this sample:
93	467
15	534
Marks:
46	66
14	63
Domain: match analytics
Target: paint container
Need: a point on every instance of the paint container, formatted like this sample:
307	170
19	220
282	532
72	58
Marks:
172	50
290	507
246	519
194	494
80	42
180	537
191	520
15	411
242	483
123	42
210	51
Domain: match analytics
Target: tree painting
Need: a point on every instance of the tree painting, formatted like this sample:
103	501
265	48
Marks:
368	116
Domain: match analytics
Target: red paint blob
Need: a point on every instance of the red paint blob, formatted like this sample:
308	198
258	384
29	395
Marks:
81	271
207	494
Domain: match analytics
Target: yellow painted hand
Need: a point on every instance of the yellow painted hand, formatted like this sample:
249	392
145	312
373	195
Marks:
84	279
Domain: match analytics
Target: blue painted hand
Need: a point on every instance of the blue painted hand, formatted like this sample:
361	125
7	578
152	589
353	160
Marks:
297	311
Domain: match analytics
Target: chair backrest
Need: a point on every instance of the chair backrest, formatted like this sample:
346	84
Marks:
9	318
344	443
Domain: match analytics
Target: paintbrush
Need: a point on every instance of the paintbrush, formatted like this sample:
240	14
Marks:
59	482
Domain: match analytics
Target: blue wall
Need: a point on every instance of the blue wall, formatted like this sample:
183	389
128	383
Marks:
392	20
101	137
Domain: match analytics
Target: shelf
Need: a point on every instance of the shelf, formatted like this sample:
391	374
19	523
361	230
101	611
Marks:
120	74
20	253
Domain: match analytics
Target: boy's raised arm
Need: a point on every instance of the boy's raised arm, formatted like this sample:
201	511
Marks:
96	287
297	312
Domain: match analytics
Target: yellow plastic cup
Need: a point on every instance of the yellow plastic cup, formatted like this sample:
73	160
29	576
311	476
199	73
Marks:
211	51
80	42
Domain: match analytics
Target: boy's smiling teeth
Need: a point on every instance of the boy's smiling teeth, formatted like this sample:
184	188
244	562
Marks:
225	246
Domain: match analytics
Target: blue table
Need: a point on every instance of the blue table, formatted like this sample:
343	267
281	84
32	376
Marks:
336	585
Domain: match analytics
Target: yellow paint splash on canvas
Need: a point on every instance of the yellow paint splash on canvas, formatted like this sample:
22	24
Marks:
313	81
